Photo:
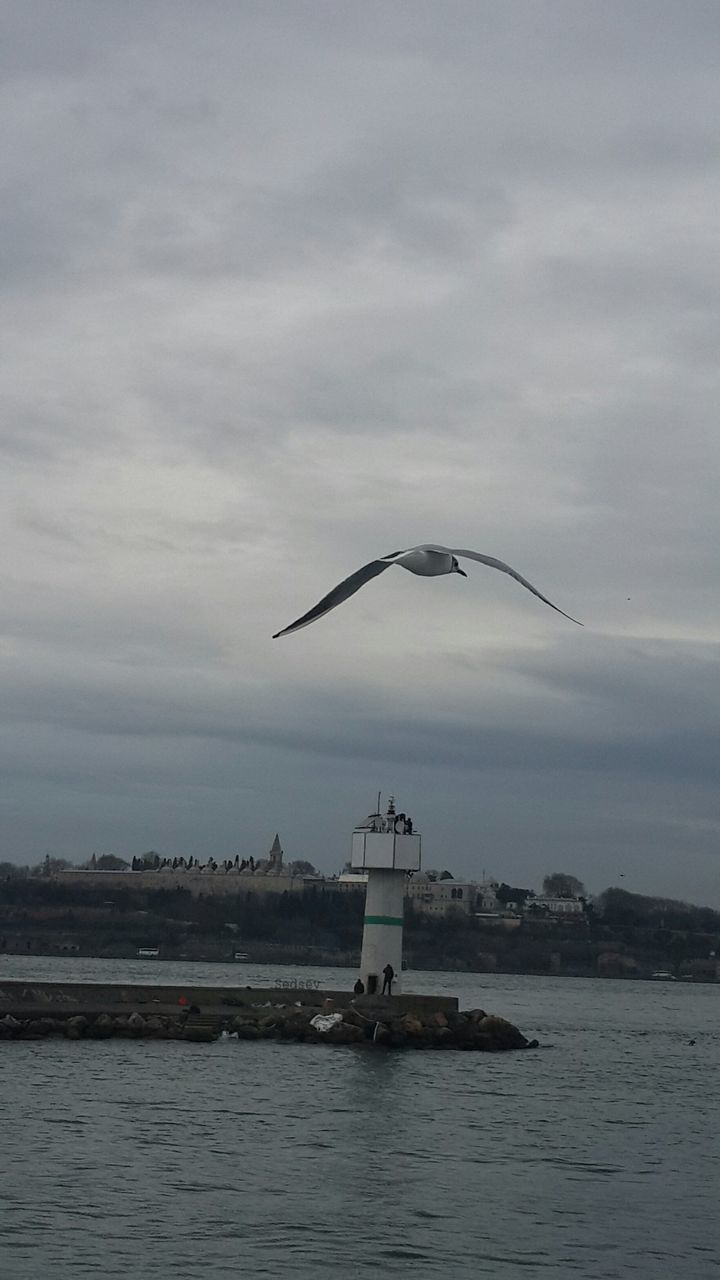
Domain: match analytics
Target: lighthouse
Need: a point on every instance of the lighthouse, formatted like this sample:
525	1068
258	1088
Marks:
387	847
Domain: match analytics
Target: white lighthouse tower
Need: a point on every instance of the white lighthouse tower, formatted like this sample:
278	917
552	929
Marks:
387	848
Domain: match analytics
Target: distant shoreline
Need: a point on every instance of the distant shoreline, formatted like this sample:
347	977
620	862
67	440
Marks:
240	965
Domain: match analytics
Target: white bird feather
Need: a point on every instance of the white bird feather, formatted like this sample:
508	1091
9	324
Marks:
428	560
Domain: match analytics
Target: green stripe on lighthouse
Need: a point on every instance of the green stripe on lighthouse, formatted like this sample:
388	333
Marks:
384	920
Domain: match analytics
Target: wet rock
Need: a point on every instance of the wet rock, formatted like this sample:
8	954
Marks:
502	1033
399	1039
248	1031
355	1018
9	1026
54	1025
76	1026
417	1028
344	1033
379	1034
200	1035
438	1038
102	1028
455	1020
295	1028
36	1029
411	1025
466	1036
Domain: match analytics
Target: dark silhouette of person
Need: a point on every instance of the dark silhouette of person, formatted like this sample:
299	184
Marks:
408	826
388	976
359	988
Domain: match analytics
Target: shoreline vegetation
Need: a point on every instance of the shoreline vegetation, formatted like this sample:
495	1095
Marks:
625	935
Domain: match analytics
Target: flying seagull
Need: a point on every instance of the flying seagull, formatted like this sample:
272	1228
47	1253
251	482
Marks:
427	560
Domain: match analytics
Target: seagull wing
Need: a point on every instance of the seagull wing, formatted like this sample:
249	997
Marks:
505	568
339	594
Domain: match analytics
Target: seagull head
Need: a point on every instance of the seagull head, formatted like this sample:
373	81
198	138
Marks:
455	567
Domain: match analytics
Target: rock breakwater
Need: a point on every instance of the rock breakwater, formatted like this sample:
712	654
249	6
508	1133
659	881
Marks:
385	1025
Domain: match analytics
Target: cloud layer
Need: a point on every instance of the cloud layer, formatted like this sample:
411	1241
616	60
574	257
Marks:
290	286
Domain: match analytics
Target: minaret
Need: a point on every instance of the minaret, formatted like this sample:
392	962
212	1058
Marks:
385	846
275	858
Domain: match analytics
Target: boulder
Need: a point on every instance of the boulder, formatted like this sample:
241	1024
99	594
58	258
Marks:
136	1024
438	1019
354	1019
344	1033
36	1028
10	1026
54	1025
411	1024
438	1038
378	1033
399	1039
156	1025
295	1028
466	1036
248	1031
200	1035
503	1034
239	1022
102	1028
475	1015
76	1026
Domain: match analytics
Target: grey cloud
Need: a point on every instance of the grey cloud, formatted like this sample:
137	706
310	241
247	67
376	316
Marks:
290	286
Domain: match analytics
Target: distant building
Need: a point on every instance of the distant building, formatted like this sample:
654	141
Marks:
554	906
439	897
486	899
264	875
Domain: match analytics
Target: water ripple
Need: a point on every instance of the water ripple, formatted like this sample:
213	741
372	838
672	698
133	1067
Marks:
595	1159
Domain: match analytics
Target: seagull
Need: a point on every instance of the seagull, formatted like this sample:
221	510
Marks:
428	560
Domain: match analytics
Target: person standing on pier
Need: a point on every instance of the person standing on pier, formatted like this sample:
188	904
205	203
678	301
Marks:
388	975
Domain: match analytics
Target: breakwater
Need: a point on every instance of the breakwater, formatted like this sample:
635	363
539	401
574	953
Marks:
92	1011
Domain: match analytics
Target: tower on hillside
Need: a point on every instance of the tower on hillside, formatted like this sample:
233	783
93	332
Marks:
387	847
275	858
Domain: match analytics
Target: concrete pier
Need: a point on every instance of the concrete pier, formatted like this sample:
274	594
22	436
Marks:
90	1011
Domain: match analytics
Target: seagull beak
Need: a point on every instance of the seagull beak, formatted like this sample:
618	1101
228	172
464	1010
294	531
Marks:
462	571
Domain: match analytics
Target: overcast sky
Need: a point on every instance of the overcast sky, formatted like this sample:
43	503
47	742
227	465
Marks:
291	285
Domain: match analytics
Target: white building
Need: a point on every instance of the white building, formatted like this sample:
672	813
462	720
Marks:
486	899
439	897
554	906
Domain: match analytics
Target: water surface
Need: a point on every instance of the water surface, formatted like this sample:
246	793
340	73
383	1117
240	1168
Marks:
595	1156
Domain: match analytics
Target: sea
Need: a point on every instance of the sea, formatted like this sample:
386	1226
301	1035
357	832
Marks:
595	1156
